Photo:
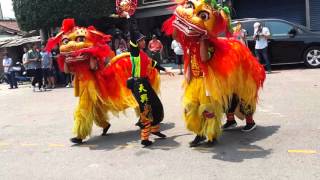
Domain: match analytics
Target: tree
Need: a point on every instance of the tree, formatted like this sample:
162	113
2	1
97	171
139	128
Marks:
44	14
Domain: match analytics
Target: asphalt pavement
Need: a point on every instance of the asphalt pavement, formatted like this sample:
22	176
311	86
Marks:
35	128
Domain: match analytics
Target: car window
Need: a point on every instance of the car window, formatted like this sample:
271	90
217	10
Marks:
248	26
278	28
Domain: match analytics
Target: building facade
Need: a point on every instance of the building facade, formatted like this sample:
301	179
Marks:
304	12
152	13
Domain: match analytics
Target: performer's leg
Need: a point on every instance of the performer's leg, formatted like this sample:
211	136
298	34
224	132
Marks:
210	123
210	113
248	111
83	118
214	131
250	124
231	122
145	132
82	125
101	118
155	130
194	120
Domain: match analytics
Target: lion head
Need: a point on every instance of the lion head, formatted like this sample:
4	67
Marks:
79	43
201	17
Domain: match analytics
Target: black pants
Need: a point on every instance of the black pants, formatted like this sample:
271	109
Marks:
12	79
262	55
179	59
145	95
244	109
37	77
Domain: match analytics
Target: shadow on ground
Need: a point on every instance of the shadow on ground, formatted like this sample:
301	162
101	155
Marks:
236	146
128	139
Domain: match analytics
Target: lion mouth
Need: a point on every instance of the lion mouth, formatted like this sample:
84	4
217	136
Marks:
187	28
75	56
72	57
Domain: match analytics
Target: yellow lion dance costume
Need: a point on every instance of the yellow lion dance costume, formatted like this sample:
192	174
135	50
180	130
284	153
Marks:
99	82
221	74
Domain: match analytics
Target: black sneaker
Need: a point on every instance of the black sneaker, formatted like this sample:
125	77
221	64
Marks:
249	127
159	134
76	140
139	124
105	130
146	142
197	141
211	143
229	125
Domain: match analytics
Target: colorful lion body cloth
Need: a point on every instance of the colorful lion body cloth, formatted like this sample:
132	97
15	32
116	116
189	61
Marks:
221	73
100	88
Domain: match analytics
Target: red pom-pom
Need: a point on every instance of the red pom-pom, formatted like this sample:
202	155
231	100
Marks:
68	25
167	27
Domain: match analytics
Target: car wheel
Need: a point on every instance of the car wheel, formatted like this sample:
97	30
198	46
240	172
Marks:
312	57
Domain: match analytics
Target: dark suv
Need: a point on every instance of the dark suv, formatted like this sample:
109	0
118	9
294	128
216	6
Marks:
289	43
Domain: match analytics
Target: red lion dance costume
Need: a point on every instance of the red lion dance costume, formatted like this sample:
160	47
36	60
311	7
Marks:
101	88
221	73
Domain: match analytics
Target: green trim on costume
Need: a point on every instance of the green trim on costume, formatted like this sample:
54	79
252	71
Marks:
133	44
136	67
223	8
154	63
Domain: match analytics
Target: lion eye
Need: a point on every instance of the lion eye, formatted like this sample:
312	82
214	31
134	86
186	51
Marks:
65	41
188	5
80	39
204	15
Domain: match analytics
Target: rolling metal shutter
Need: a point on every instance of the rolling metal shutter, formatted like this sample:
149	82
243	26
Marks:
293	10
315	14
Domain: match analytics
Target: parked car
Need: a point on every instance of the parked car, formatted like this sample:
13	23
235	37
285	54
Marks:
290	43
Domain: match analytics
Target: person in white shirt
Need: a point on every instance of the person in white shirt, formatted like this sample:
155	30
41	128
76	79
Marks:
261	36
176	46
7	66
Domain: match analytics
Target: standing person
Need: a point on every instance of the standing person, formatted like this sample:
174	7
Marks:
7	64
176	46
240	34
151	109
68	79
155	47
25	58
261	36
47	68
119	41
34	61
121	49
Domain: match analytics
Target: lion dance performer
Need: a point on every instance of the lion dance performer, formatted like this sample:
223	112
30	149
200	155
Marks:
220	72
101	89
151	109
143	73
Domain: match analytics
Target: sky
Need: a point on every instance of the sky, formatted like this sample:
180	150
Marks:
7	9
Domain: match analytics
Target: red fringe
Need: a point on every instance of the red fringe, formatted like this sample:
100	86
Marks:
52	42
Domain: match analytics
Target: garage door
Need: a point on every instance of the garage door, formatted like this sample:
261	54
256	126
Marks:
315	14
293	10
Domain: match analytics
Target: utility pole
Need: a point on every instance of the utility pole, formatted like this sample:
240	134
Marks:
308	20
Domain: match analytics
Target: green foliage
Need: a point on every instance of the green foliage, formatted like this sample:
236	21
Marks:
38	14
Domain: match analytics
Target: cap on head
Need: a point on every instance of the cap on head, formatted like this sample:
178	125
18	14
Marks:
136	37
